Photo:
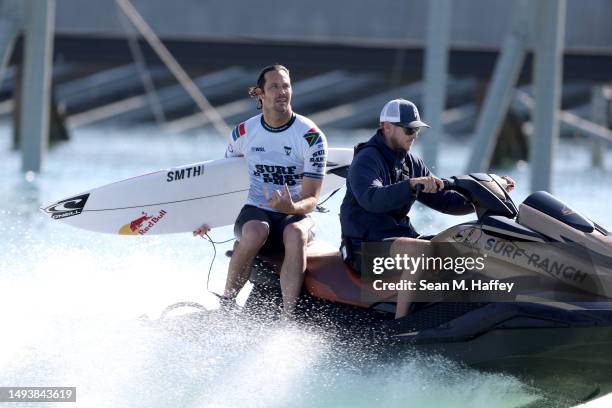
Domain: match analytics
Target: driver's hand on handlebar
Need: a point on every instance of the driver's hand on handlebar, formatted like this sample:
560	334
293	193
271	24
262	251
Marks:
431	184
510	183
204	229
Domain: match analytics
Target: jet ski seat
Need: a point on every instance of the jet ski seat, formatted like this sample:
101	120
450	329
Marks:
328	277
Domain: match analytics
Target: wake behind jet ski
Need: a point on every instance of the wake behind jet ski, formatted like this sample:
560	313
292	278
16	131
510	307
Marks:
536	336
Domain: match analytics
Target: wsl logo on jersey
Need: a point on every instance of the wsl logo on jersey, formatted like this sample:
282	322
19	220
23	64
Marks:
313	137
277	174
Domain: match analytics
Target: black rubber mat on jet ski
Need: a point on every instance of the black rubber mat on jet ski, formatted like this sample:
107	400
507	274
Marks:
434	315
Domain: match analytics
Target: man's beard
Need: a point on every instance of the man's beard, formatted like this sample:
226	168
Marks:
282	108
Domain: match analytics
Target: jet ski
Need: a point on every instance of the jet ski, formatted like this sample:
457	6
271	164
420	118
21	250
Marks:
545	341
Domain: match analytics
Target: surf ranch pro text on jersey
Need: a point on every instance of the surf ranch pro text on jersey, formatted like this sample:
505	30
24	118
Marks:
180	174
277	174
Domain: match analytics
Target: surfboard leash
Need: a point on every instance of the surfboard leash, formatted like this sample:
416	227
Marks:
320	208
214	247
196	305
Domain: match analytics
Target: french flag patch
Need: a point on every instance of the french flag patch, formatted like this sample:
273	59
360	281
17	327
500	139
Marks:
238	131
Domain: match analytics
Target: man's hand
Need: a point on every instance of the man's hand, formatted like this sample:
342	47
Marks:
431	184
510	183
204	229
282	201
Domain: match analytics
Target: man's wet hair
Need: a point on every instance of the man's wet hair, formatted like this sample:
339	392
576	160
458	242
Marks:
261	80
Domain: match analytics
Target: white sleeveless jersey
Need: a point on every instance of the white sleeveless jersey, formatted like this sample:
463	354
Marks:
279	156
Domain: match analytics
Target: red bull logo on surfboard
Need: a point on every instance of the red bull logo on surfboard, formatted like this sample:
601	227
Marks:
142	224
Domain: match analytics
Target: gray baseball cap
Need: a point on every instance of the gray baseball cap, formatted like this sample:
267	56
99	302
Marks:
402	113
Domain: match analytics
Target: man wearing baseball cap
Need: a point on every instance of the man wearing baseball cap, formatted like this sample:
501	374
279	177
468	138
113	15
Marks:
381	189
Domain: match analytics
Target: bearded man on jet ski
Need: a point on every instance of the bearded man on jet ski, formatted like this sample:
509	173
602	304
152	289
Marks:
382	187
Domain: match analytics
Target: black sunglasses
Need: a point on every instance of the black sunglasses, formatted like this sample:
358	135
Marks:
409	131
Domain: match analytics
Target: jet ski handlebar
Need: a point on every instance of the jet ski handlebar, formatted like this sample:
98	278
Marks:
487	192
451	184
448	185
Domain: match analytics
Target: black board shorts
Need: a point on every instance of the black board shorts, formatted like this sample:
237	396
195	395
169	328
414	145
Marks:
277	222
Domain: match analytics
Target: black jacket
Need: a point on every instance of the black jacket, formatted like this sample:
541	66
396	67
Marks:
378	194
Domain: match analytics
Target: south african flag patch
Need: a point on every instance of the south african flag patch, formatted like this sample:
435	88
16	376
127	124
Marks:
312	137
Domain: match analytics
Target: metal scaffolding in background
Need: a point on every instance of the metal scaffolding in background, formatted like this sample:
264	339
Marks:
34	114
547	72
11	23
168	59
435	76
548	39
599	115
501	90
535	25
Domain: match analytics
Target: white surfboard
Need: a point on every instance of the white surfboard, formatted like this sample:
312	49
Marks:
174	200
